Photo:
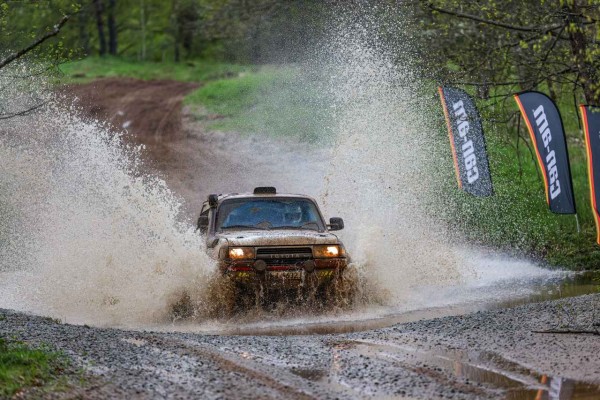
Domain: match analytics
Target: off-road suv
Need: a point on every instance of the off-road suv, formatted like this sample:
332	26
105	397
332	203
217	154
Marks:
271	239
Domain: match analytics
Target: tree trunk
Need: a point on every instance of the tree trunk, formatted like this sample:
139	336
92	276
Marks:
112	28
82	22
175	29
100	24
176	53
552	90
587	73
143	28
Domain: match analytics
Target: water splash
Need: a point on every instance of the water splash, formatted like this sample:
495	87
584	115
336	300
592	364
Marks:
380	176
87	236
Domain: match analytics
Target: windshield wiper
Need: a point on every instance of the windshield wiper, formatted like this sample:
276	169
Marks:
241	227
315	228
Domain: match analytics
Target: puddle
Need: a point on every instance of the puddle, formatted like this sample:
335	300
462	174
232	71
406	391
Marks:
574	284
489	369
511	293
310	374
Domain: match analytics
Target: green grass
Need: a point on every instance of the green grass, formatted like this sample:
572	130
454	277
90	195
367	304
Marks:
274	100
191	71
234	96
23	368
517	217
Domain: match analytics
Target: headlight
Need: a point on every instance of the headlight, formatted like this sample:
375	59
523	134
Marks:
328	251
241	253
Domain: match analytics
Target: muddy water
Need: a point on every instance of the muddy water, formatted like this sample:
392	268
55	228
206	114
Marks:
539	285
492	370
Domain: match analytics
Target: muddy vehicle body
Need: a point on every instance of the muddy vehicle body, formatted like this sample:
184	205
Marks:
272	241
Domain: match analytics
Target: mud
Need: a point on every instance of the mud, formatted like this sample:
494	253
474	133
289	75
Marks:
149	110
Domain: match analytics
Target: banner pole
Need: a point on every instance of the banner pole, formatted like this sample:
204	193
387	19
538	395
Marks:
577	220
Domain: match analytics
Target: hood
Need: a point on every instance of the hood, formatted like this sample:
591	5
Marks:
278	238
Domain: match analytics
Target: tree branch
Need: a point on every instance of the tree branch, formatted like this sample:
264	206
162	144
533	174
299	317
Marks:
35	44
511	83
496	23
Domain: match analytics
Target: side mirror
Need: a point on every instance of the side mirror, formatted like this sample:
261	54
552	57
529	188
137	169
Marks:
203	223
335	224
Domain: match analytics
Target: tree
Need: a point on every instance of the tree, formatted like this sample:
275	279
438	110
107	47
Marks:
515	44
99	8
112	28
82	26
21	53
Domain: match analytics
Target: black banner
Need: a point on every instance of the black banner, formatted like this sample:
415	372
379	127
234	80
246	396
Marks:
591	126
548	136
467	142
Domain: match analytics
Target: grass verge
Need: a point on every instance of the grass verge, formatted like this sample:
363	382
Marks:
276	100
517	217
91	68
23	368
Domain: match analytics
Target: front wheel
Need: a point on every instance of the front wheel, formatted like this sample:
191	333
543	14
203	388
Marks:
341	291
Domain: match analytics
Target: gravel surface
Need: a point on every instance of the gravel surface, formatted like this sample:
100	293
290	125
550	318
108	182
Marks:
491	354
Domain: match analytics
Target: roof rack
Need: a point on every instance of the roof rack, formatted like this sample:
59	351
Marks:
265	190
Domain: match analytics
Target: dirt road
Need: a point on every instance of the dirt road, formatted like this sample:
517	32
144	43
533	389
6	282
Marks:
194	160
150	111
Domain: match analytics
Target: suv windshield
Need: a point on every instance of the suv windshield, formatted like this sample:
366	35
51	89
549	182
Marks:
269	213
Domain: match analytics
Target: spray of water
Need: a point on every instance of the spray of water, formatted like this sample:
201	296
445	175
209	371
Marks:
86	235
380	177
89	236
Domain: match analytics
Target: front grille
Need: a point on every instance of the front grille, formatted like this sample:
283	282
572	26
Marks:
286	253
298	262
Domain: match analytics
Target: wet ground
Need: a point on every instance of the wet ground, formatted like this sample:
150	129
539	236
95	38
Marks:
461	299
500	354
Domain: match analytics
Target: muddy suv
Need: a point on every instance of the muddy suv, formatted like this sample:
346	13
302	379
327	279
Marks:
271	239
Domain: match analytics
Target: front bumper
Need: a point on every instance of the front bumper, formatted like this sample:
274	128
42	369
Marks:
283	275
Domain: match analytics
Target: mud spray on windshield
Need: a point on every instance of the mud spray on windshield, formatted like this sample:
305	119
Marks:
92	237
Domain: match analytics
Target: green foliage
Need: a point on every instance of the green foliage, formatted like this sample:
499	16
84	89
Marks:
158	30
522	42
23	367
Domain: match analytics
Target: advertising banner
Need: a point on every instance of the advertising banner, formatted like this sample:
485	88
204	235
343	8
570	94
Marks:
591	128
467	142
548	137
